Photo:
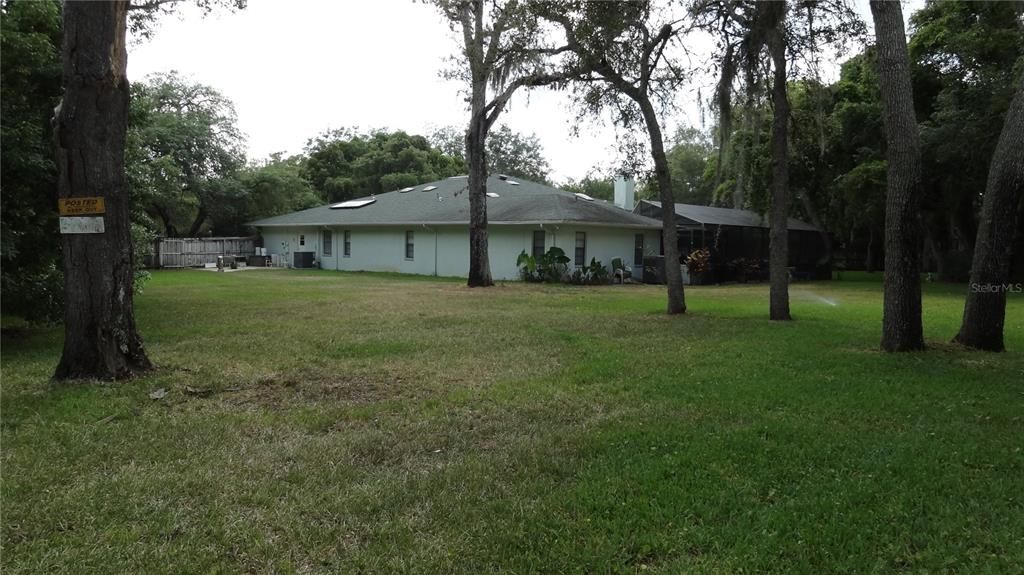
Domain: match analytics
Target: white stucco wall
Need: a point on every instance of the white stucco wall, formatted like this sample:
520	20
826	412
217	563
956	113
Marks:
286	241
444	250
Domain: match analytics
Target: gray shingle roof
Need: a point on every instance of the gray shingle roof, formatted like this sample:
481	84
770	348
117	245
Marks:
728	217
525	203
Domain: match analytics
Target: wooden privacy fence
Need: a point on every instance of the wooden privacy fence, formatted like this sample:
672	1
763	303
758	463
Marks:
197	252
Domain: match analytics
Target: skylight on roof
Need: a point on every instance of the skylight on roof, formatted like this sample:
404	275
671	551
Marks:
492	195
428	188
352	204
583	196
513	182
406	190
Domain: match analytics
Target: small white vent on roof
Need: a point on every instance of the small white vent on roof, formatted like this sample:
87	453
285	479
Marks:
407	190
457	177
352	204
514	183
583	196
428	188
492	195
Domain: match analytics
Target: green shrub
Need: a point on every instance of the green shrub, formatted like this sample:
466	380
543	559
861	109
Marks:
552	267
142	245
527	265
37	296
595	273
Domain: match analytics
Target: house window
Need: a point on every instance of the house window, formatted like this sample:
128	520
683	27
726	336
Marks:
409	246
328	243
348	244
302	239
638	250
538	244
581	248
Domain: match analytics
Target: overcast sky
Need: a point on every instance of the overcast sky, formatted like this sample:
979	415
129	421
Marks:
295	68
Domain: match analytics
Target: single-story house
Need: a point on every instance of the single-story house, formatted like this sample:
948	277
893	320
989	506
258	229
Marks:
733	235
424	229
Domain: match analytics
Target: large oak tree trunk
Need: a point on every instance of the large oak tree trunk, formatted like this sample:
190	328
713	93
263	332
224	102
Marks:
476	140
197	223
778	255
100	338
168	221
673	273
985	310
901	315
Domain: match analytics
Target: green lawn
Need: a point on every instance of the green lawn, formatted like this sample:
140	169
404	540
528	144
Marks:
321	422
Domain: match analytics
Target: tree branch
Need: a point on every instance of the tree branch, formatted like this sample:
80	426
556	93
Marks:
150	4
495	107
495	42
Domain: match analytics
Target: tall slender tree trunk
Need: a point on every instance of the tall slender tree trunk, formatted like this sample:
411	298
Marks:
100	338
901	315
778	255
673	274
985	309
476	158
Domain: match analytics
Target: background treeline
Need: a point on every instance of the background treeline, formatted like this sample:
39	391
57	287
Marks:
965	59
189	174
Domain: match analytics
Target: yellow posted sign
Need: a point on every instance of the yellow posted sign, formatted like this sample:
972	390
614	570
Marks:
81	206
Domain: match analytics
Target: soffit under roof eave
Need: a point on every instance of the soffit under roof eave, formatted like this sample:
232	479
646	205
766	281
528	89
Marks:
462	223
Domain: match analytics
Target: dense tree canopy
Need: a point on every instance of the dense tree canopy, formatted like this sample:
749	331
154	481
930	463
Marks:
595	184
689	152
964	57
515	154
30	39
346	163
276	186
508	152
185	151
